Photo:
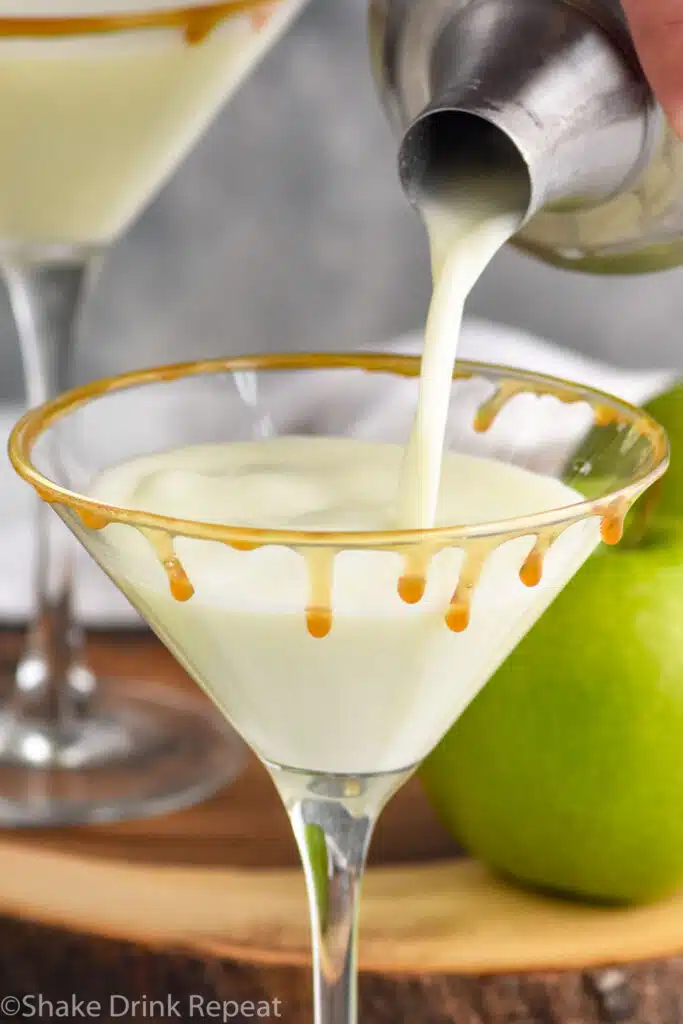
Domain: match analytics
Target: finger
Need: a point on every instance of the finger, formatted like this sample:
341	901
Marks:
657	28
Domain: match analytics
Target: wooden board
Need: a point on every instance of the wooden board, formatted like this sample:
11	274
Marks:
222	880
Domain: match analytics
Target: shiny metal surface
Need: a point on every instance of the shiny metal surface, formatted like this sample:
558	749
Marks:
560	80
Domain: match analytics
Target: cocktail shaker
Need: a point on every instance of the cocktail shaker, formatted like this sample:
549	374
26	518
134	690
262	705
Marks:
556	83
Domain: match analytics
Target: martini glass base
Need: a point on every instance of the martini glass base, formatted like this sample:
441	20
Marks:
141	751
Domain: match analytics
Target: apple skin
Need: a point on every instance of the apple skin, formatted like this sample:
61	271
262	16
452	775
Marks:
667	409
566	772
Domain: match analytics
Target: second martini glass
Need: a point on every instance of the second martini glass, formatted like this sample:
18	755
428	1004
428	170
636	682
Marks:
101	99
341	657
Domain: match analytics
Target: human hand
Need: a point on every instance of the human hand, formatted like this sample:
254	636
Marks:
657	28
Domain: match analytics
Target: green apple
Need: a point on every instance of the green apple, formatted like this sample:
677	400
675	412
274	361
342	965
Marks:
566	772
667	409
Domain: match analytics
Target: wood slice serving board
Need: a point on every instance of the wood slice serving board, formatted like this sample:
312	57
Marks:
221	882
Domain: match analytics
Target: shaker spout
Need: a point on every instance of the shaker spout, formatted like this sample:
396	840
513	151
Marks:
550	84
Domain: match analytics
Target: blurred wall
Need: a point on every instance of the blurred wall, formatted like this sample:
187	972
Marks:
286	229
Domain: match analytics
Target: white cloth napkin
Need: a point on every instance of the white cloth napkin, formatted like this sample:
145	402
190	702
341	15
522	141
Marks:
98	602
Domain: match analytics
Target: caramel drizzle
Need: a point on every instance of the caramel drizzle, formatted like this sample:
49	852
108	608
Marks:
460	608
178	581
531	573
612	525
607	416
319	611
320	563
93	520
413	583
199	28
44	494
490	410
195	22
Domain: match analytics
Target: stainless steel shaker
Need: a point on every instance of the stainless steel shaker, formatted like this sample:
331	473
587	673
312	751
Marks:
559	83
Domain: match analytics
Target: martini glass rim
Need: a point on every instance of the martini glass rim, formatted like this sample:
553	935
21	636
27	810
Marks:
172	14
37	421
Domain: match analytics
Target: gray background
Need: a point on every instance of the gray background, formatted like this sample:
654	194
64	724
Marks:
286	229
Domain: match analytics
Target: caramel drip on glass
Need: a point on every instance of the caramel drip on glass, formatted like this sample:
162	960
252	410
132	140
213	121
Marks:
243	545
93	520
195	22
459	611
178	581
413	583
612	525
201	26
531	572
488	413
606	416
44	494
491	409
320	564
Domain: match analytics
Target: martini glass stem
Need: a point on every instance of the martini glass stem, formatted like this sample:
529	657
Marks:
333	849
47	288
333	818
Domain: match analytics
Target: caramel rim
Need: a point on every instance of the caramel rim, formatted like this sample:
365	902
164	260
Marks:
35	422
101	24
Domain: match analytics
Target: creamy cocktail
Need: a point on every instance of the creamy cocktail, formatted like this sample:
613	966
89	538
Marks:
100	112
378	691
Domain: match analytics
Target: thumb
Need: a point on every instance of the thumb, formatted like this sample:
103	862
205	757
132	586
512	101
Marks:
657	28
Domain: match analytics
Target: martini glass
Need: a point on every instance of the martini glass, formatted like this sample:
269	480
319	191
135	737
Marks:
340	699
101	99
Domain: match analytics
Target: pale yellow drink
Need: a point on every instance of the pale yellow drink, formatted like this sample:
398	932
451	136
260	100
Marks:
94	123
377	693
